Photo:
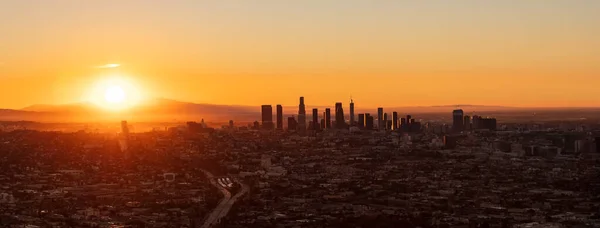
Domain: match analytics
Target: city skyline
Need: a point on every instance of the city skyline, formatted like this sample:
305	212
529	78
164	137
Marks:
399	53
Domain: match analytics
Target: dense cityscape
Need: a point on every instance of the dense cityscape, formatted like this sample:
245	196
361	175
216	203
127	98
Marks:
355	170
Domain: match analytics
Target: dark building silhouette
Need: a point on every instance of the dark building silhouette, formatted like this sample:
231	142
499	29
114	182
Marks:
487	123
231	124
301	115
361	120
323	123
457	120
380	123
388	124
279	117
327	118
292	124
450	142
394	120
403	124
315	119
369	121
415	126
256	125
385	119
467	123
340	121
408	119
352	123
476	122
267	117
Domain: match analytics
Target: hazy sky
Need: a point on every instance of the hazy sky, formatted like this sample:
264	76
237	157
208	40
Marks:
382	52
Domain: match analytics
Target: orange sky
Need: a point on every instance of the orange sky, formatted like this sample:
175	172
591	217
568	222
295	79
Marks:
382	53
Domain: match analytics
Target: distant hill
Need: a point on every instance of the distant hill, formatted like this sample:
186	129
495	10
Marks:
165	110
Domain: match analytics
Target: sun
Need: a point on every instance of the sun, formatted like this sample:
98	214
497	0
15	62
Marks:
115	94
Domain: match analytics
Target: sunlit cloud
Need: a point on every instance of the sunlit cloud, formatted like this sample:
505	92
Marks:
110	65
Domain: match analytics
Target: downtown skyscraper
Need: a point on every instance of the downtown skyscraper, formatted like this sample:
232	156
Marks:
315	119
267	117
457	120
301	115
394	120
352	123
327	118
279	117
340	122
380	123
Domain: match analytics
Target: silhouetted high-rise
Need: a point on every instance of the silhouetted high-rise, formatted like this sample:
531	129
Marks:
467	123
380	123
394	120
267	117
315	119
368	121
301	115
292	124
361	120
403	124
457	120
352	123
340	121
327	118
476	122
279	117
385	120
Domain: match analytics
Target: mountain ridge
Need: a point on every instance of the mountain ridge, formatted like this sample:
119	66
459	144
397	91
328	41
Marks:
161	109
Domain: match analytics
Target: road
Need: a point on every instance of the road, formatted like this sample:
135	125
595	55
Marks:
225	204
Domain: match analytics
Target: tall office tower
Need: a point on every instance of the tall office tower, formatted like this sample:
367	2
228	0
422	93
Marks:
476	122
340	121
408	118
267	117
292	124
380	124
403	124
301	115
487	123
279	117
467	123
315	119
457	120
322	124
394	120
352	123
327	118
368	121
361	120
385	119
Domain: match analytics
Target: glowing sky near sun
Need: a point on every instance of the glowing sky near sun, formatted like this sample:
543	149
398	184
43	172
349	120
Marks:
382	53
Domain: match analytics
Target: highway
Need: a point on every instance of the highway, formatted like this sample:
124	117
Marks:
225	204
